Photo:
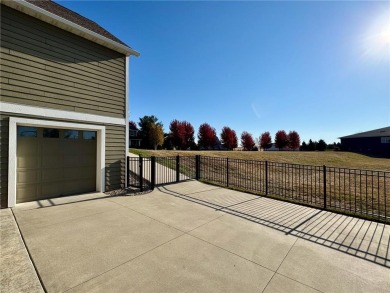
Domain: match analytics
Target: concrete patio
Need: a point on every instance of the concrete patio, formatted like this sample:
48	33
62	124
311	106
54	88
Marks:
193	237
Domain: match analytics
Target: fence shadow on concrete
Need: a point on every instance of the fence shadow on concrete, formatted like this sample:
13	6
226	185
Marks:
361	238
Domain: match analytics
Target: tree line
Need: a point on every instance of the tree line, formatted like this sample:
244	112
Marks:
181	136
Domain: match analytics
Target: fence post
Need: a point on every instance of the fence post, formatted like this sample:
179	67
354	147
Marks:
197	167
177	168
128	172
141	174
266	177
152	172
324	171
227	172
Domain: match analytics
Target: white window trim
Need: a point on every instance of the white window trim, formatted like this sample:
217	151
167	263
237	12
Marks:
12	159
59	114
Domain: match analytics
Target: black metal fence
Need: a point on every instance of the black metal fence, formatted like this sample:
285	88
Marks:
364	193
159	171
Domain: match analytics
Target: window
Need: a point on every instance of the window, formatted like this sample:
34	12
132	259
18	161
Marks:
385	139
71	134
90	135
27	131
51	133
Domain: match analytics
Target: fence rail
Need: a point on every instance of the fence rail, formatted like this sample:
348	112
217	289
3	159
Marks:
363	193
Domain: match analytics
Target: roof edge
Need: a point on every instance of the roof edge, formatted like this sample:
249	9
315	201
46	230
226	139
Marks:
60	22
368	133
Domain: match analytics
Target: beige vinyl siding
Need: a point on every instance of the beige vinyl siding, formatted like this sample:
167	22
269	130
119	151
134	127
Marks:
42	65
115	155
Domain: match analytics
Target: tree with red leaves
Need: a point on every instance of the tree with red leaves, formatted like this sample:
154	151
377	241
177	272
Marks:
281	139
181	134
133	125
206	136
176	133
247	141
228	138
265	140
189	133
294	141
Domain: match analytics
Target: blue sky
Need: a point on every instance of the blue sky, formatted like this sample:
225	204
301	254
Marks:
320	68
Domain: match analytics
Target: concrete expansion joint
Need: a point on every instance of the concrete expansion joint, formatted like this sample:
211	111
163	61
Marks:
275	272
121	264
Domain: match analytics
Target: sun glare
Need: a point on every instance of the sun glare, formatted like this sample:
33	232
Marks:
384	37
376	42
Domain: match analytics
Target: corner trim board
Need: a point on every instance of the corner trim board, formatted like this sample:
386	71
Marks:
127	117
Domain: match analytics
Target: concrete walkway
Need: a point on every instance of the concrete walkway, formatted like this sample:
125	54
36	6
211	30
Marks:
17	273
193	237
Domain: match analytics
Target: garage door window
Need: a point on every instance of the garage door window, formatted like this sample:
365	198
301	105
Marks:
71	134
51	133
27	131
89	135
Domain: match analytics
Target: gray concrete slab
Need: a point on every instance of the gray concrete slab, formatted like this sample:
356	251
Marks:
185	264
330	270
266	247
282	284
65	211
175	212
362	238
82	248
195	237
17	273
215	197
365	239
59	201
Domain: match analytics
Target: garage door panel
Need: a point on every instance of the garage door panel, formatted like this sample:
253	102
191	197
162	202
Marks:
28	176
78	173
28	146
51	146
26	192
72	147
78	186
54	166
51	189
51	161
52	174
28	162
77	161
87	173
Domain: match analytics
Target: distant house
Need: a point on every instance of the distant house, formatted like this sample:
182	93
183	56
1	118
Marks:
275	148
63	103
134	137
374	142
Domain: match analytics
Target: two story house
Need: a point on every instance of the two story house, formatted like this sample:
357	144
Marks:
63	102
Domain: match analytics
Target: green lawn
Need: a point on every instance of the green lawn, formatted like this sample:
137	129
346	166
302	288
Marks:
328	158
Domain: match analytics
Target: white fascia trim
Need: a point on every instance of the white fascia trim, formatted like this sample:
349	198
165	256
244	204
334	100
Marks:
12	156
127	117
82	31
53	113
